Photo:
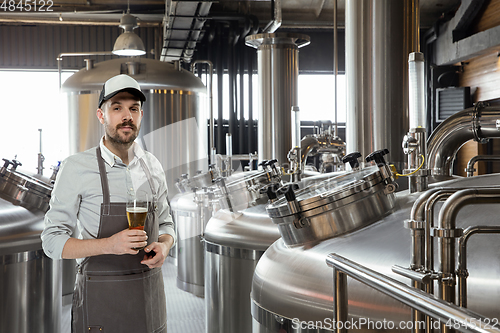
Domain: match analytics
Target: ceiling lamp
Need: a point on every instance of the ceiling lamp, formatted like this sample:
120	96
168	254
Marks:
128	43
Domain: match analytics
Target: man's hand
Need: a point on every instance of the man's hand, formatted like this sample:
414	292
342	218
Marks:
157	252
124	241
120	243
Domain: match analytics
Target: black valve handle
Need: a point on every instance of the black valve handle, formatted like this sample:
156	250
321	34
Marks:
378	157
263	163
15	164
352	159
288	191
6	162
270	190
272	162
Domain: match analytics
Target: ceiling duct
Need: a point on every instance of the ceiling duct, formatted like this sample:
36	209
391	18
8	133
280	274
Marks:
182	28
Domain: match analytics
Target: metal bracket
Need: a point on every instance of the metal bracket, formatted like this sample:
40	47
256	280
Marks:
447	278
462	273
447	233
419	274
476	128
390	188
301	222
411	224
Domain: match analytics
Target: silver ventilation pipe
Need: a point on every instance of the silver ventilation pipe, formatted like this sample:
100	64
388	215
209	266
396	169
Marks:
376	73
278	69
447	232
277	17
479	123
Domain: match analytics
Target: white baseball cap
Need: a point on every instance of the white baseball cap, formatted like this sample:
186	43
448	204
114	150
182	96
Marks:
118	84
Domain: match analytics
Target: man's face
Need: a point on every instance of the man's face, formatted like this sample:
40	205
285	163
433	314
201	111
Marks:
121	116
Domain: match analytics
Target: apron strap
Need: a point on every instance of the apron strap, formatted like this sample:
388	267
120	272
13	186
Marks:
148	175
104	179
106	198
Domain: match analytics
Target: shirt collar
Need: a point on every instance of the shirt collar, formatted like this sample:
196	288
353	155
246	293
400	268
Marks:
111	158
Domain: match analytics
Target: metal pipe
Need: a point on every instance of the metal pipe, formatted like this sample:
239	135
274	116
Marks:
429	243
462	258
415	26
415	142
418	209
421	219
478	123
69	21
439	195
411	274
376	58
470	165
243	157
75	54
278	68
213	151
241	93
41	158
447	231
417	226
277	17
340	300
429	224
220	90
232	82
412	297
296	137
251	146
335	63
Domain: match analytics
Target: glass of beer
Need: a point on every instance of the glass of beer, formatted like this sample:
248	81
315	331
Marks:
137	211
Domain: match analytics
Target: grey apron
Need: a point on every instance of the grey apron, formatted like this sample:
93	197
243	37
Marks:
116	293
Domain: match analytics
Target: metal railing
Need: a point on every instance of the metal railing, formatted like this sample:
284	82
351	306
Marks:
428	304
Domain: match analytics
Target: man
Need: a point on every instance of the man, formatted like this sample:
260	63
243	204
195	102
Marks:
118	288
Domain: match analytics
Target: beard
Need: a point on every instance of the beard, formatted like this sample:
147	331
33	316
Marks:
116	138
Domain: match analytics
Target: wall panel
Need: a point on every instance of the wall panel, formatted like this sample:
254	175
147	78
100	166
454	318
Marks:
482	74
36	47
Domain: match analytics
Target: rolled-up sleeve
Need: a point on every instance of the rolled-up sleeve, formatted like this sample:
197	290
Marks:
61	218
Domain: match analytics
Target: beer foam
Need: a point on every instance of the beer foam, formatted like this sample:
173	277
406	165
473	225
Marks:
137	209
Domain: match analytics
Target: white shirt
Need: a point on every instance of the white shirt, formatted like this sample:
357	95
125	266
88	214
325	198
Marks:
76	199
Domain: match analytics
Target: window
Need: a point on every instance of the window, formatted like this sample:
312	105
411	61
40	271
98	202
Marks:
316	98
31	102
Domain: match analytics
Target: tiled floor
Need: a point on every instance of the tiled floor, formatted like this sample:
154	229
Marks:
185	312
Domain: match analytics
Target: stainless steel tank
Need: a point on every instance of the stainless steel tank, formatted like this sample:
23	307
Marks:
376	63
30	282
278	69
235	238
174	127
191	210
292	288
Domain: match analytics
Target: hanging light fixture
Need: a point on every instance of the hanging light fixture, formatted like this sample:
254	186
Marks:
128	43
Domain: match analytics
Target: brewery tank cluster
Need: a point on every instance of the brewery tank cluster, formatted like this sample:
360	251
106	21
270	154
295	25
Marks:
254	244
30	287
360	216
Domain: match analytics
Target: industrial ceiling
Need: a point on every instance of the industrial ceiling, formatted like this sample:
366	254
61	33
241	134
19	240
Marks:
296	13
183	22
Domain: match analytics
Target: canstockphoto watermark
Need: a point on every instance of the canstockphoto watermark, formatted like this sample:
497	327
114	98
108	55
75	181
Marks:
367	323
356	323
